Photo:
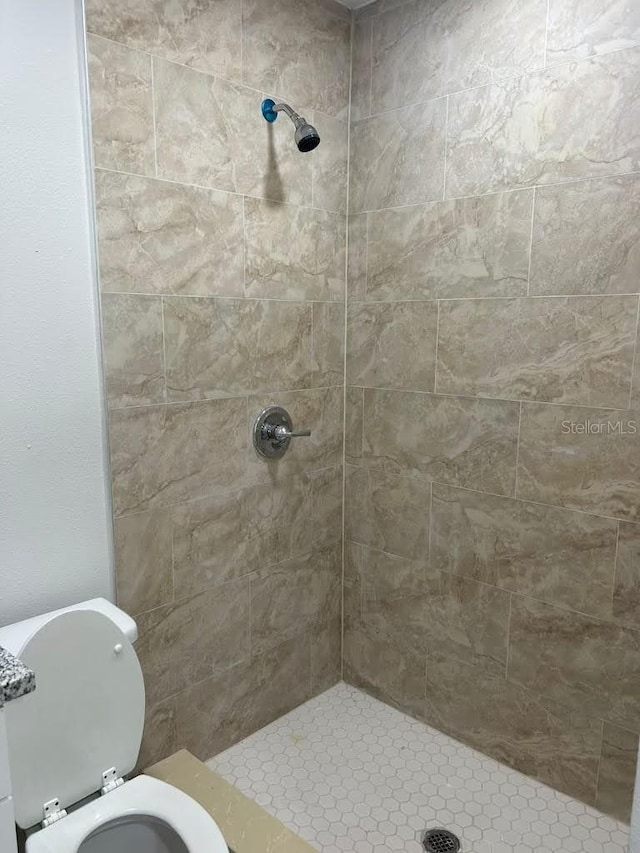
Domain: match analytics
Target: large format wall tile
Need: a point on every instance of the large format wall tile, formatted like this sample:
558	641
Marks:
328	343
466	247
586	237
133	349
572	121
326	656
295	597
193	639
121	107
589	664
178	140
424	50
398	158
617	771
228	347
554	554
584	459
330	163
519	727
159	738
318	409
354	424
361	59
566	350
294	252
210	132
452	440
222	710
357	226
579	28
299	48
435	613
228	535
164	454
392	344
160	237
204	35
626	589
387	512
396	676
143	557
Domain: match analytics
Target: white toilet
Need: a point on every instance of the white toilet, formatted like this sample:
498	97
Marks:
79	733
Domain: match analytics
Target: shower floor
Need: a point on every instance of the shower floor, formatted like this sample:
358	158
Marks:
348	773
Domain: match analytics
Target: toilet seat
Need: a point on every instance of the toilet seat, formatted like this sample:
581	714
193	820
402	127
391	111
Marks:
145	796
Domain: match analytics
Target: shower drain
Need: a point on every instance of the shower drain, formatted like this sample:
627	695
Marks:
440	841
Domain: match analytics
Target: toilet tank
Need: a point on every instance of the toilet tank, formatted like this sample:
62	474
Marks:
82	727
14	637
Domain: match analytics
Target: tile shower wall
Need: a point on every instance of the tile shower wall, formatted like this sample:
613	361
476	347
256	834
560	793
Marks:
222	267
492	567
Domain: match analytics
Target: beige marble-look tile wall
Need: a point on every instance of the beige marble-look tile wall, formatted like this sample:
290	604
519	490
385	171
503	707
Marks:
222	265
492	556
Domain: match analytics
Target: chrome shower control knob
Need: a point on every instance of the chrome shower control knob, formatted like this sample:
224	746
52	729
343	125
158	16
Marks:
273	431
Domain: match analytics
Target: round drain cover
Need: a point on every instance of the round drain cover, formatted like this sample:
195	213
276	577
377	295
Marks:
440	841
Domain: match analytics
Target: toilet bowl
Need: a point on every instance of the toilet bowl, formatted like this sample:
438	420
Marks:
72	742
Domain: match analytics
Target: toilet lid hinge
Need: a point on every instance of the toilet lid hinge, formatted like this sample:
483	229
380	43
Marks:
52	812
110	780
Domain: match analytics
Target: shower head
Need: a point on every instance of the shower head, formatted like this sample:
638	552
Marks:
306	136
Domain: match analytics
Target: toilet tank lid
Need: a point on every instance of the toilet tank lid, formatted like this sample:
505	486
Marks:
14	637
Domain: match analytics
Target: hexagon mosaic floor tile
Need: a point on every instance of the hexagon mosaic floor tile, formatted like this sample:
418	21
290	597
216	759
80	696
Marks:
348	773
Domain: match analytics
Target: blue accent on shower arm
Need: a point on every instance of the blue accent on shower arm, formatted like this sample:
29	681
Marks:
267	109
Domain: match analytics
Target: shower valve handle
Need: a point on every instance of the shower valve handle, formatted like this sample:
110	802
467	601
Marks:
281	432
273	431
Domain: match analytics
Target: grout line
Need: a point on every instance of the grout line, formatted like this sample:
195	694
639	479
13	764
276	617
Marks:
260	93
487	298
510	497
222	297
210	188
240	395
558	605
533	214
397	301
423	203
470	397
502	191
634	358
515	485
502	82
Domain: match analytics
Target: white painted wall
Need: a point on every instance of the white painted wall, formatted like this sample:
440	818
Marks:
55	533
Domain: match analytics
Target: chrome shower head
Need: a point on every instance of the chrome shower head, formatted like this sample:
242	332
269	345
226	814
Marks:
306	136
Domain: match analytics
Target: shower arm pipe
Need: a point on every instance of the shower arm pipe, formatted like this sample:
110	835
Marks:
285	108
